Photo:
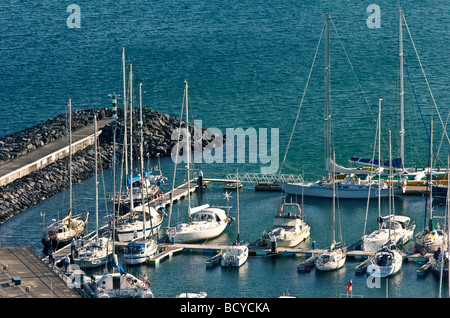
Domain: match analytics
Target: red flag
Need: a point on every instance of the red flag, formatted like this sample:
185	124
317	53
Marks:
349	286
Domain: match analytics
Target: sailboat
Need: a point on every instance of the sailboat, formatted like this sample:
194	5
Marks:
137	252
288	229
131	227
400	225
413	176
95	251
237	254
120	284
432	237
351	187
204	221
442	264
62	232
335	256
134	193
386	261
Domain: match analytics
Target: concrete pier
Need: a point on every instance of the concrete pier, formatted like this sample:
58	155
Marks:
48	154
24	275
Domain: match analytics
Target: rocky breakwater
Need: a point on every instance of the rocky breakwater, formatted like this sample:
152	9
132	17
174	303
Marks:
20	143
39	185
158	130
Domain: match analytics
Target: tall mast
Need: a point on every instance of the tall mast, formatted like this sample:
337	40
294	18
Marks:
96	177
188	149
125	141
130	78
237	197
140	125
327	94
430	221
379	161
390	184
334	204
114	183
70	155
402	93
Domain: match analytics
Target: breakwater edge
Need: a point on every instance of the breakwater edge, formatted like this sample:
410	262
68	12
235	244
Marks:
29	190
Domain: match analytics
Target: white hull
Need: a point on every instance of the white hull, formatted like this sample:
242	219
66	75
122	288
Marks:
330	260
235	256
134	231
321	190
118	285
375	241
290	238
206	223
94	253
139	252
401	232
387	268
198	231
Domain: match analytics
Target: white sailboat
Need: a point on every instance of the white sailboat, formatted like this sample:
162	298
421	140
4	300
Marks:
134	192
131	228
204	222
237	254
95	251
413	176
351	187
62	232
387	261
335	256
399	225
121	285
289	229
137	252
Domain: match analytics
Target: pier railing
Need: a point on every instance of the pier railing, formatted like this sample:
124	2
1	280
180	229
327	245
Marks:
267	178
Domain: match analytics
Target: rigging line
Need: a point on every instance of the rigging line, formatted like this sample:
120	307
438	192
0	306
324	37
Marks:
426	79
417	101
442	137
176	159
351	66
370	184
303	98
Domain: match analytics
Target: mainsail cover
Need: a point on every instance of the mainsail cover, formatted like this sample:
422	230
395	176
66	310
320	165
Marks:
340	169
396	163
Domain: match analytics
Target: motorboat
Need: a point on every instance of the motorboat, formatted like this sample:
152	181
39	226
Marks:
397	226
289	229
206	222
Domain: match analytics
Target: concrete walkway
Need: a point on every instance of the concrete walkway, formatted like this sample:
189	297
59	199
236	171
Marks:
41	157
24	275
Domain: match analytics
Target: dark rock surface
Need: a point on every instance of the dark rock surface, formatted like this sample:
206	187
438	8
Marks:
35	187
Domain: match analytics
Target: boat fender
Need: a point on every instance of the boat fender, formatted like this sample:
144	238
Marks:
299	211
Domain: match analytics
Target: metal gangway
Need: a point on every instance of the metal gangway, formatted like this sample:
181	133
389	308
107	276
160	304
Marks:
263	178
